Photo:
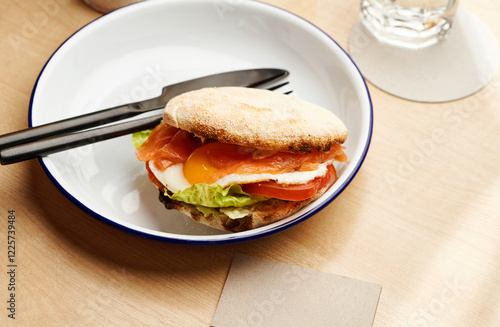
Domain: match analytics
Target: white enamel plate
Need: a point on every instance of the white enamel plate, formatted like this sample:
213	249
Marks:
130	54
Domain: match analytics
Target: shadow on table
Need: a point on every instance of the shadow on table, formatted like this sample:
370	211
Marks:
108	246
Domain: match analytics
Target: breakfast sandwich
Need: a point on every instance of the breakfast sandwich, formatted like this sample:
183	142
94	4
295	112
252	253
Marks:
238	158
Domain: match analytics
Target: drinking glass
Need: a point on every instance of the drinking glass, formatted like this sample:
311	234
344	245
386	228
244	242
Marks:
409	23
423	50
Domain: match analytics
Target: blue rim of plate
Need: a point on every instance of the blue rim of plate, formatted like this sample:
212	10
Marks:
231	238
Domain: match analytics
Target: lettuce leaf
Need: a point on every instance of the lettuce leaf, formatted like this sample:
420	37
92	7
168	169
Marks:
214	196
138	138
206	211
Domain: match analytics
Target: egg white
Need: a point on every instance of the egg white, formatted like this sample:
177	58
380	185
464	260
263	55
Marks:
174	180
172	177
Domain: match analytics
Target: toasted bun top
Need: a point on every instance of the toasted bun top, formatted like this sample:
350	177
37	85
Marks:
256	118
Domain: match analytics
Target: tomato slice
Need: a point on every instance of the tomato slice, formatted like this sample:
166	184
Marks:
297	192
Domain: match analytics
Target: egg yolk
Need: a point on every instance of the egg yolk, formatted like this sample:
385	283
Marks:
208	159
212	161
198	167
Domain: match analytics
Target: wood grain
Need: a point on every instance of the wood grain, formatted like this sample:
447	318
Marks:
422	217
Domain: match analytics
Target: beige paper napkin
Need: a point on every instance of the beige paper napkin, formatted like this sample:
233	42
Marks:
267	293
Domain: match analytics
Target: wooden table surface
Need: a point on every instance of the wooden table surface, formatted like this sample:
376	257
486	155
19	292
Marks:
421	218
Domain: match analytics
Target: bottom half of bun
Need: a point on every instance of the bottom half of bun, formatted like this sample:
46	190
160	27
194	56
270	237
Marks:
262	213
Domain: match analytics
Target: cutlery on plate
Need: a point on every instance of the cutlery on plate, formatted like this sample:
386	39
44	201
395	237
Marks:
54	137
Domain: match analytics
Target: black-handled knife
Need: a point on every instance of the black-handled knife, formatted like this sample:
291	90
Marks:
78	131
245	78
